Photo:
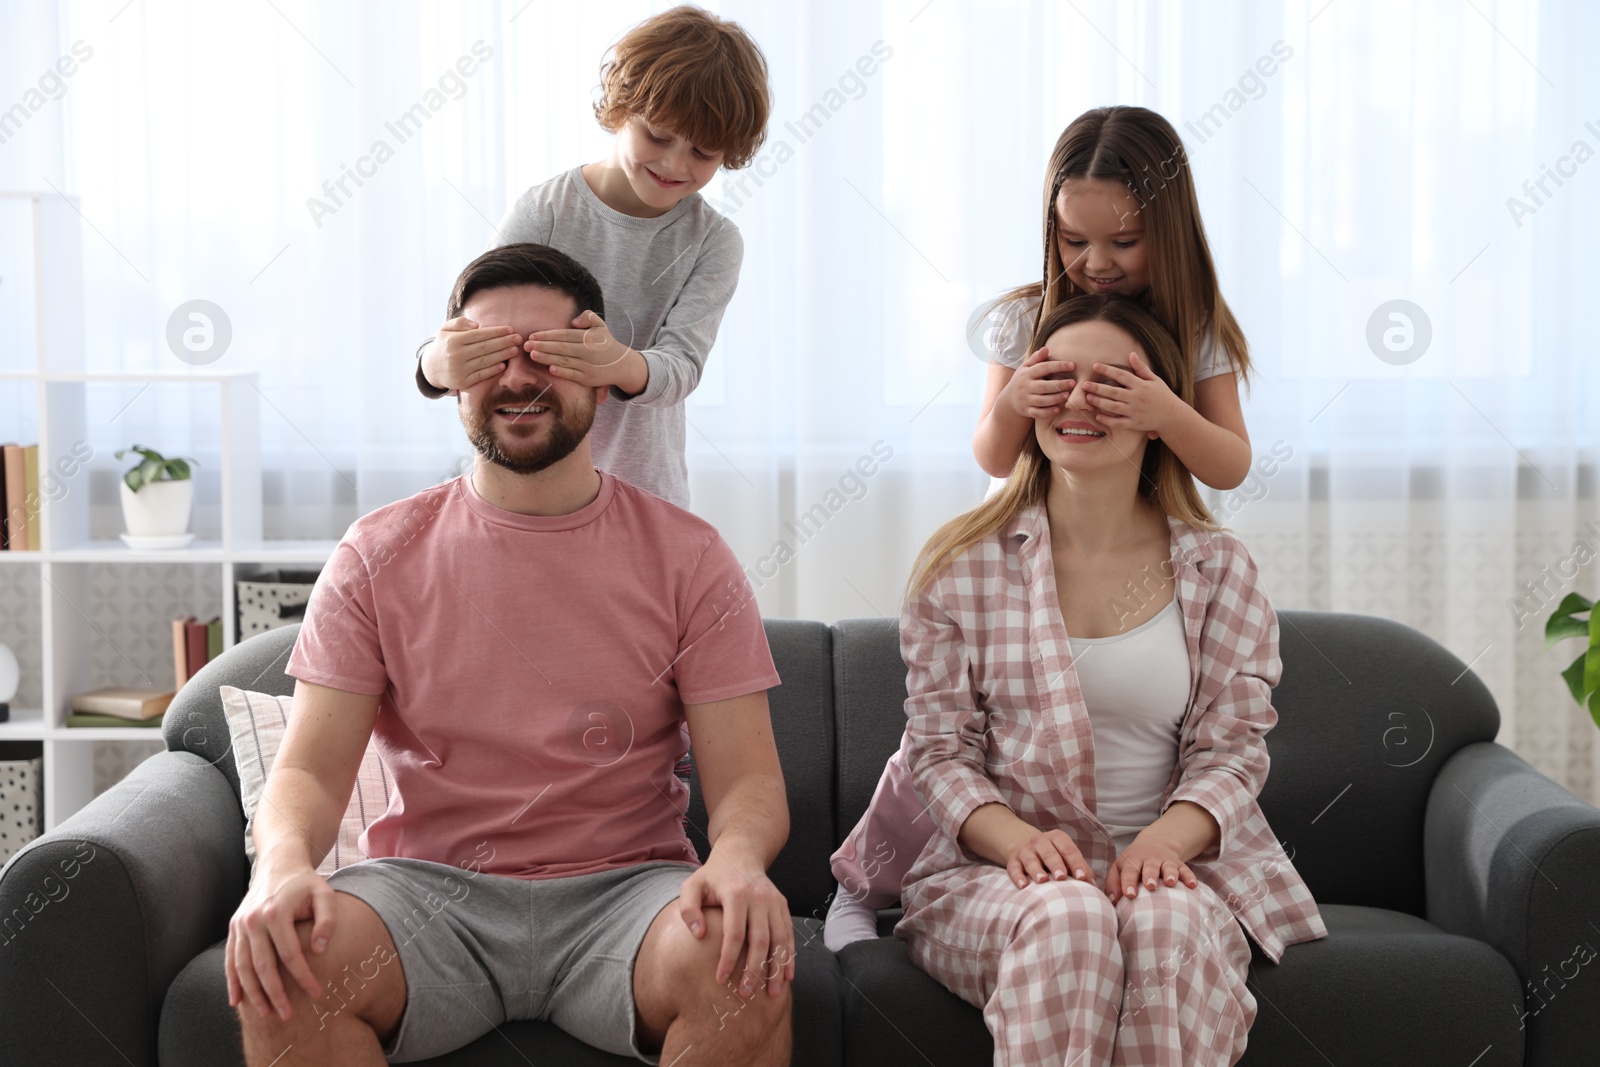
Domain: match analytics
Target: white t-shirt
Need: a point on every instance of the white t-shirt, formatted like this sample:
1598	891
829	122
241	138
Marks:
1136	688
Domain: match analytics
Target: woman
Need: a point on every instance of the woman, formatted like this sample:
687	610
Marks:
1090	665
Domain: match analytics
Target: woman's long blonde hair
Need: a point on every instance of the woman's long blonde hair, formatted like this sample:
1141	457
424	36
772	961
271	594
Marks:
1140	150
1163	479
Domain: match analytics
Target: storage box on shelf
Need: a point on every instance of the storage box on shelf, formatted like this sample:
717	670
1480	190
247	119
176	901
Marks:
45	267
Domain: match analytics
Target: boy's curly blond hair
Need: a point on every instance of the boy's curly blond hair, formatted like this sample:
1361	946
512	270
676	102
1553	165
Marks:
694	74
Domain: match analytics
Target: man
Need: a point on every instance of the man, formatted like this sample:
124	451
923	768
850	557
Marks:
527	642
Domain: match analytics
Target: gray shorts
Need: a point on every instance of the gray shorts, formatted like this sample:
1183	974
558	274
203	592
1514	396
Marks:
479	949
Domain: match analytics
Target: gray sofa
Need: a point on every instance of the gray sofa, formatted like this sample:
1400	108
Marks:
1458	884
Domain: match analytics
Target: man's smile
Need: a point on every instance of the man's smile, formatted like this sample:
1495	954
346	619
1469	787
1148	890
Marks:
525	411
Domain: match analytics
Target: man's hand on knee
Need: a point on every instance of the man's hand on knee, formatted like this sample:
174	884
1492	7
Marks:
262	933
756	927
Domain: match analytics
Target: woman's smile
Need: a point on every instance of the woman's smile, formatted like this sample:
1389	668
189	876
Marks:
1078	432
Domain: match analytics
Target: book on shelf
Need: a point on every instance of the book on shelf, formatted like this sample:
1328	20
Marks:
84	719
122	703
180	651
30	481
194	644
16	501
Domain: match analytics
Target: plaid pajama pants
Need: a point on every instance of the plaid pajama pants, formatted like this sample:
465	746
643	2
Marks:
1067	979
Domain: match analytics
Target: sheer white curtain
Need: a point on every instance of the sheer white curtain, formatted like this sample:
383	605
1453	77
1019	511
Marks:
1347	154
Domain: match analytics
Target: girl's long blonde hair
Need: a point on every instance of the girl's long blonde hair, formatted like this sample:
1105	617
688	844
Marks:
1140	150
1163	479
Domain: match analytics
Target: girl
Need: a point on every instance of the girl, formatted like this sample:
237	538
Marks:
1120	216
1098	854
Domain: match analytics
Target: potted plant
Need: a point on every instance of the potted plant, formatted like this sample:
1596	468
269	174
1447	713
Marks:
157	497
1582	674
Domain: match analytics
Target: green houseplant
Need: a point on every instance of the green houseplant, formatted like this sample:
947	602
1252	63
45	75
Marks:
1582	674
157	498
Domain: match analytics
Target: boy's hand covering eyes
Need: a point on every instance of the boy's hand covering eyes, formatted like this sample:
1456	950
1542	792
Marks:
464	353
587	353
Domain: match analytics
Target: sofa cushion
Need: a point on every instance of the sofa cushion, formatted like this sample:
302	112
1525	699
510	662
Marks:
803	729
1383	987
870	683
257	723
1368	712
894	1012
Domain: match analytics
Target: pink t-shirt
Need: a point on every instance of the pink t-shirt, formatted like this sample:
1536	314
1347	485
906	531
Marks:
533	672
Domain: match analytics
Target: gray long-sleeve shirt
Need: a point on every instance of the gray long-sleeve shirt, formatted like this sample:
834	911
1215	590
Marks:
666	282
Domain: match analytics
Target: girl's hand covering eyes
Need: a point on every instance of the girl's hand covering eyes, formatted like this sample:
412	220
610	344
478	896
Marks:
1132	399
1033	392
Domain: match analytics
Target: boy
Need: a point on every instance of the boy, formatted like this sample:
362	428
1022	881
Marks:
685	93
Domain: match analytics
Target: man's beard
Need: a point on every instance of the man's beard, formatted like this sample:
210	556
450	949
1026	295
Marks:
566	431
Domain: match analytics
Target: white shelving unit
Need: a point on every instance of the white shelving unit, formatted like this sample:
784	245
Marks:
63	388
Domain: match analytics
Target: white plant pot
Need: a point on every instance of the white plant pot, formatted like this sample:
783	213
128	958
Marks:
160	509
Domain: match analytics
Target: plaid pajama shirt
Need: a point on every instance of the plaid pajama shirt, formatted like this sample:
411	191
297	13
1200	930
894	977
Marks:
995	715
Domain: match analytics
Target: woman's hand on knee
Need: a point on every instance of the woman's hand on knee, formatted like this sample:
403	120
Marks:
1049	855
1150	863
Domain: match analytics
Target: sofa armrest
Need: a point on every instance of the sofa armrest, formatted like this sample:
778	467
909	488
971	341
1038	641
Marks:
1510	859
98	916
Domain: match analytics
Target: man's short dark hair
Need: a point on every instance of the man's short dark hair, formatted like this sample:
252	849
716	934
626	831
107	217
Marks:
527	264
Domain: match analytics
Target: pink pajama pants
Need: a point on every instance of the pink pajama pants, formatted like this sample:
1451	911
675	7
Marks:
1065	978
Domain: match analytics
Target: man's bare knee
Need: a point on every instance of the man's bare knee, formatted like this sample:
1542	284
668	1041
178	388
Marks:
359	974
685	968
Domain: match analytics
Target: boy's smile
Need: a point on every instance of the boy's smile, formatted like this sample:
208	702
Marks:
661	167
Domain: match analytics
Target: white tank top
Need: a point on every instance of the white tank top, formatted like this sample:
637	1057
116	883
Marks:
1136	689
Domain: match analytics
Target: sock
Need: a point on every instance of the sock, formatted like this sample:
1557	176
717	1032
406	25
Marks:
849	920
